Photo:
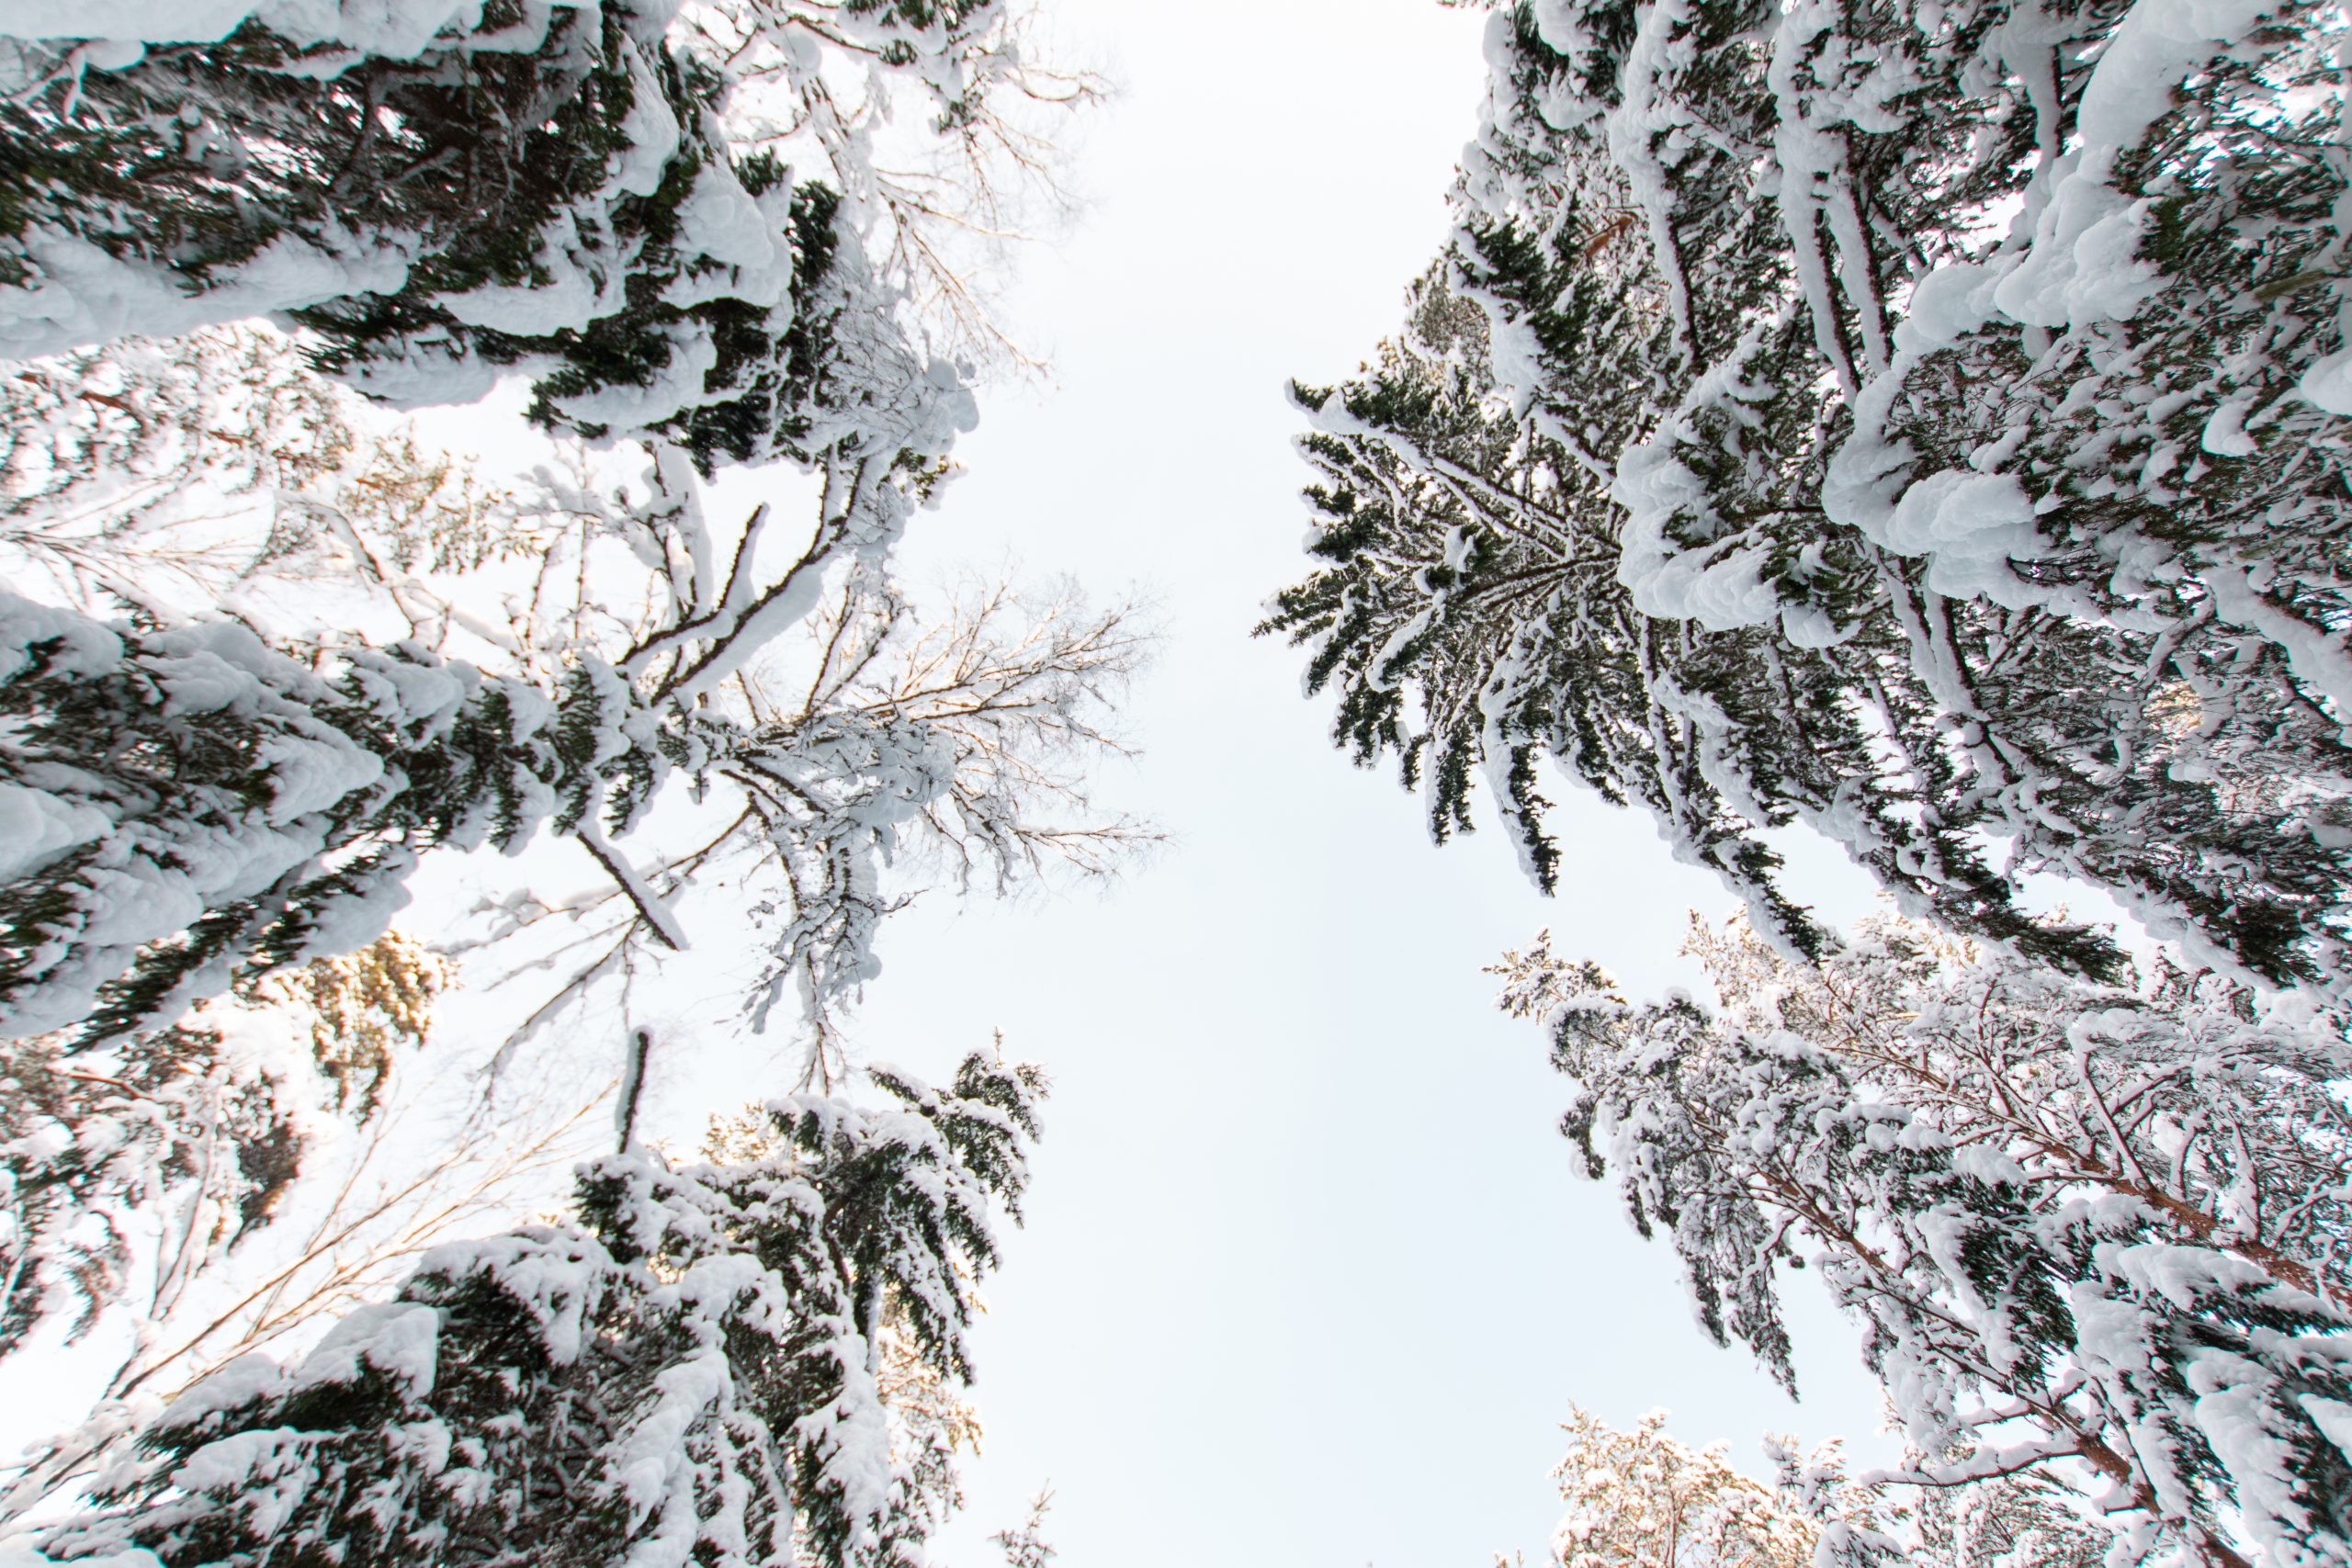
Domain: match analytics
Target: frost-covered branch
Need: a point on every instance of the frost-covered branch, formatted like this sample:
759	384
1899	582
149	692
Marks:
760	1355
1767	449
873	754
2079	1224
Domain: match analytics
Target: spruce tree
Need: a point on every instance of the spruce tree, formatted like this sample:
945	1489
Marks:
1742	456
440	200
194	808
684	1373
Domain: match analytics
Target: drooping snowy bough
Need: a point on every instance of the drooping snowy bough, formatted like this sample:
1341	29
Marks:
192	806
1921	421
682	225
657	213
692	1371
193	802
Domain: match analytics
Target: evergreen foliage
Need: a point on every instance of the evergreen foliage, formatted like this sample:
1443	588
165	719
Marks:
442	197
194	808
2079	1222
198	807
688	1372
684	227
1920	422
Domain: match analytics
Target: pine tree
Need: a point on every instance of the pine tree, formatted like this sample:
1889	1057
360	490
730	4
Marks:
179	1198
2077	1222
1741	456
177	836
686	1373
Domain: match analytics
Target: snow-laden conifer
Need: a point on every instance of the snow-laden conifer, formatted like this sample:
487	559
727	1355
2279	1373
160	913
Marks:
174	1199
2092	1226
191	806
662	215
689	1372
1910	420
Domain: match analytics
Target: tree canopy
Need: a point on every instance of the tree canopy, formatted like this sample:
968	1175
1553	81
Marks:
1917	422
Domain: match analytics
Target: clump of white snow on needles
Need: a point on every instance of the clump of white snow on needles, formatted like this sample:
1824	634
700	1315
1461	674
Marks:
2083	264
400	1338
2329	383
86	296
401	28
1969	525
36	827
26	1557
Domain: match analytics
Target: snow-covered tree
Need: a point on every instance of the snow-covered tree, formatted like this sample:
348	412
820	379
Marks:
194	805
1012	693
2079	1224
177	1199
660	214
191	1127
216	475
603	196
688	1372
1642	1499
2020	1520
1838	415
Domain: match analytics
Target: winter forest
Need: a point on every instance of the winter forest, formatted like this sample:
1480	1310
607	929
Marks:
572	812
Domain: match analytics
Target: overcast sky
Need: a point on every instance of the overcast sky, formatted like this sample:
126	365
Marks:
1307	1281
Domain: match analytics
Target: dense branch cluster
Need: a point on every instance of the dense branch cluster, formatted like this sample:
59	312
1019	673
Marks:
687	1373
2098	1224
1920	422
640	205
1641	1498
263	650
1924	423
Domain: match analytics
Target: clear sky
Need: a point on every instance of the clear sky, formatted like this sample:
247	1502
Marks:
1307	1281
